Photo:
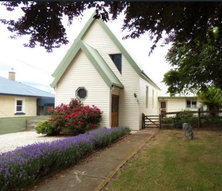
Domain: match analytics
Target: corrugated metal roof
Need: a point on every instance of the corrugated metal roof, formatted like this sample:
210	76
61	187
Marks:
9	87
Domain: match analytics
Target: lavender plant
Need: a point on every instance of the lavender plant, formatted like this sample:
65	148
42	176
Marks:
25	165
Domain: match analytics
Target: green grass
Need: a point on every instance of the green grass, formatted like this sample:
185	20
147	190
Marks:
173	163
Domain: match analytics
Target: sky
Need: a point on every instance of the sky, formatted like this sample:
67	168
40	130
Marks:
34	66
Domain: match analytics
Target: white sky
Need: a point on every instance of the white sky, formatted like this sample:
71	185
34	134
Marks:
34	66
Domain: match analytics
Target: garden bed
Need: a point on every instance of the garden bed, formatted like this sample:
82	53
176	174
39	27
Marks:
26	165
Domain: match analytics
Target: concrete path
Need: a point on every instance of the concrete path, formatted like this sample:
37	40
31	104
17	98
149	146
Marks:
94	174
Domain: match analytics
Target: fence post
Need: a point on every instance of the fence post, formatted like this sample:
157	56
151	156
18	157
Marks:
143	121
160	120
199	119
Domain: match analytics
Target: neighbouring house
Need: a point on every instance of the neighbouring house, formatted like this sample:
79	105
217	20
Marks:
98	70
20	100
179	103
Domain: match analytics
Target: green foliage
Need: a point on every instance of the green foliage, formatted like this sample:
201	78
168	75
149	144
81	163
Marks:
185	113
73	118
46	128
212	98
183	22
26	165
195	69
168	120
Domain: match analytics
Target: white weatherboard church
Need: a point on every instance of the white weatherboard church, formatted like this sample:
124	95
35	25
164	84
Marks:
98	70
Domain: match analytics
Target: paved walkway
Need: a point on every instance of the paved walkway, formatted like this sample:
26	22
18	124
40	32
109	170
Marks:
92	175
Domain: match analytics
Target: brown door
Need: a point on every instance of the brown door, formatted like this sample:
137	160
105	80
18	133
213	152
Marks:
163	106
115	111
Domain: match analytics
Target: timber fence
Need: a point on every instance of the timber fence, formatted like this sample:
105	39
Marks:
198	119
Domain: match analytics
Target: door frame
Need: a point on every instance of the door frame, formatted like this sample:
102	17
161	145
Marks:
165	105
116	96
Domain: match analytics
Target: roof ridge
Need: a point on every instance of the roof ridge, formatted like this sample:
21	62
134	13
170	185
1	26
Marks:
22	85
66	58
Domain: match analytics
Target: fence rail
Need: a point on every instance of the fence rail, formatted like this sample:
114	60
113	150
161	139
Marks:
150	121
175	119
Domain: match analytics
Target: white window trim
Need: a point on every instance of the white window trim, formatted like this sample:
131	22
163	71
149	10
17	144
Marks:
23	106
147	96
78	95
191	105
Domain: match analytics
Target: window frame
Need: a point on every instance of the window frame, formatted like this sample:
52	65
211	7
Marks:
153	98
121	68
147	96
191	104
76	93
22	112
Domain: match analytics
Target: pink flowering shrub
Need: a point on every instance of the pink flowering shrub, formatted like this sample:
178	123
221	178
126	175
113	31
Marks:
74	118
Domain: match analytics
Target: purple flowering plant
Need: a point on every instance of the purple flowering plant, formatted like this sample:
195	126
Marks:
25	165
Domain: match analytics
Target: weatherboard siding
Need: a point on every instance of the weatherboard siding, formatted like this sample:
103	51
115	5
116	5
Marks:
153	108
128	105
7	106
81	73
178	104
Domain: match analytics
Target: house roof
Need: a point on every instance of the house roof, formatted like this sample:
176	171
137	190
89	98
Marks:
69	55
177	97
10	87
96	59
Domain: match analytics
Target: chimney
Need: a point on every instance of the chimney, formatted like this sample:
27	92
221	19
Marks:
11	75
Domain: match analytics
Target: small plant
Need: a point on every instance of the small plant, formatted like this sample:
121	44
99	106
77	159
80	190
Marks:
186	113
46	128
168	120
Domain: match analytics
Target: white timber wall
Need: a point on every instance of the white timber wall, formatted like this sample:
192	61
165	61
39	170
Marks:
152	108
81	73
177	104
128	105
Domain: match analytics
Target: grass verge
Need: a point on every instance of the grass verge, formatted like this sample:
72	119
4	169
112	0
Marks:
172	162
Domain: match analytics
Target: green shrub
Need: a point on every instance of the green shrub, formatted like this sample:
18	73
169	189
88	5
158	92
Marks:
46	128
185	113
73	118
168	120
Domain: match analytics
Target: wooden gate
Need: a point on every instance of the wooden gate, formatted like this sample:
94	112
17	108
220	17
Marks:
150	121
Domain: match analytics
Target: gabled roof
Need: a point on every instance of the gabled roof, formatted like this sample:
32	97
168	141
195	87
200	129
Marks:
96	59
10	87
69	55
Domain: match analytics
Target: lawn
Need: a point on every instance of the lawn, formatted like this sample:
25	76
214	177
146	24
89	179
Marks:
173	163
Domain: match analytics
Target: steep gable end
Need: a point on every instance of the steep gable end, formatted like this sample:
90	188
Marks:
95	58
72	51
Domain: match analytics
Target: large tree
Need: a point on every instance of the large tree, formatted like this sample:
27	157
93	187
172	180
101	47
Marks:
196	51
195	70
182	22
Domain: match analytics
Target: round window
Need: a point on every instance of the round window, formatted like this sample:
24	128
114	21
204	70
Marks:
81	92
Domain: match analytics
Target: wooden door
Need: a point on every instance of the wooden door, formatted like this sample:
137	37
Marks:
163	106
115	111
